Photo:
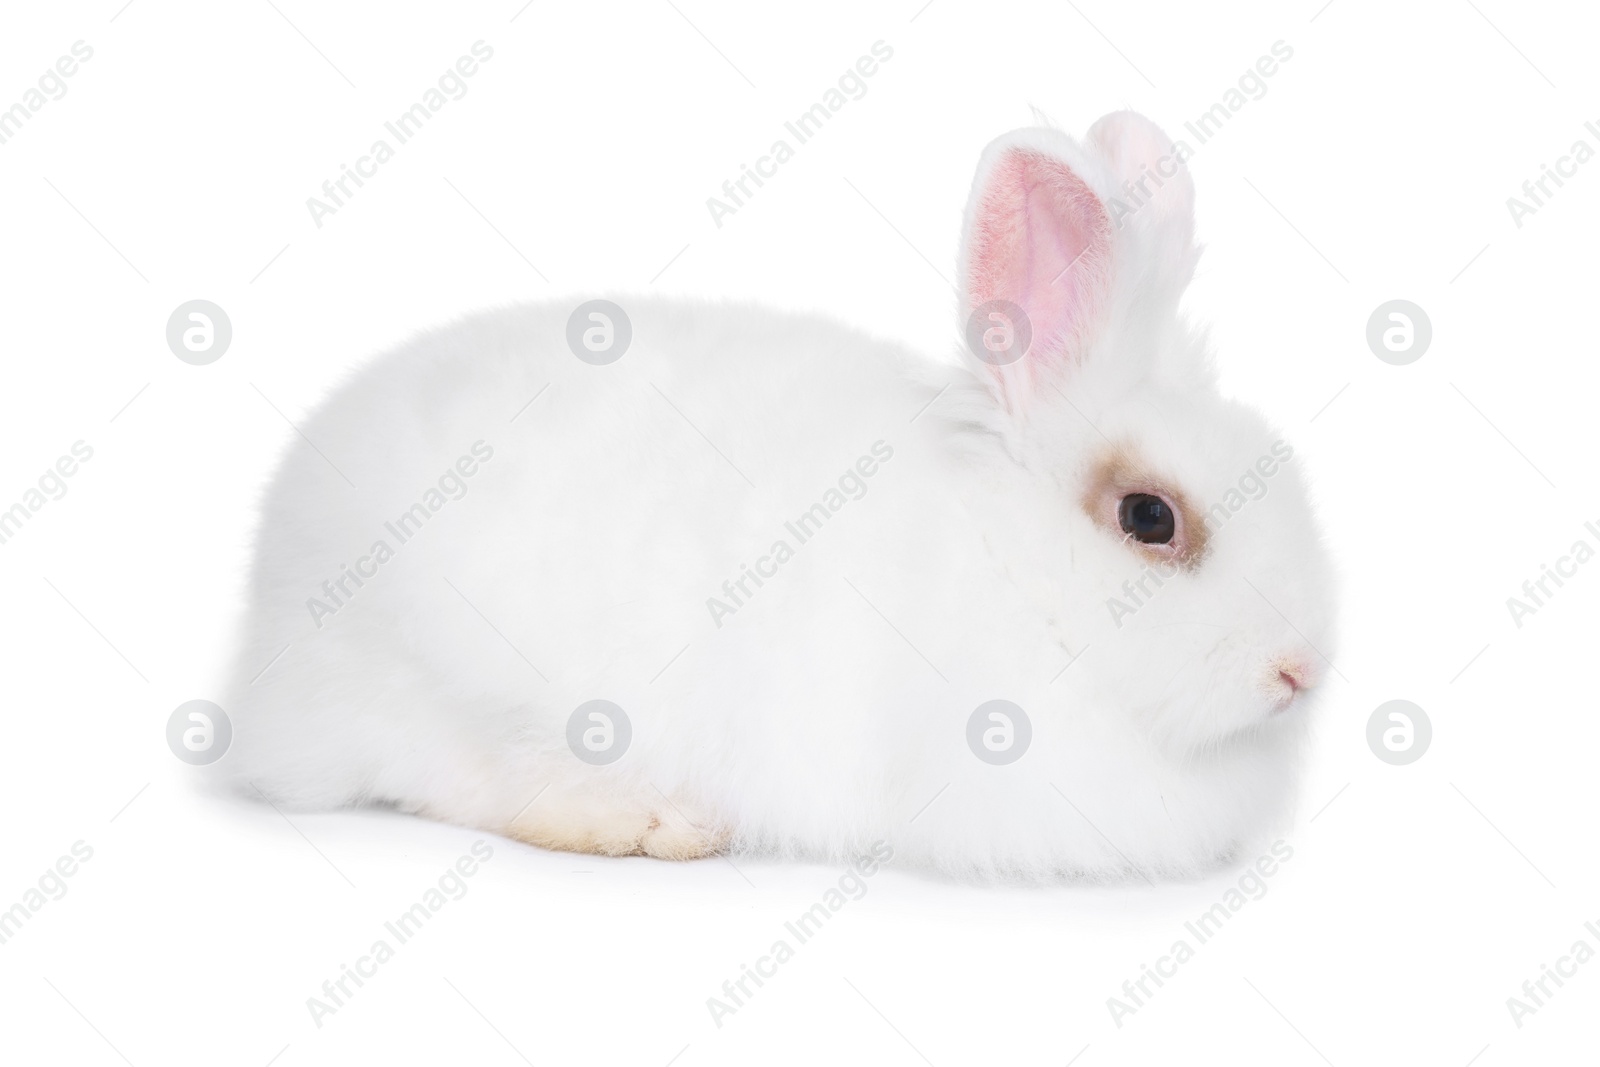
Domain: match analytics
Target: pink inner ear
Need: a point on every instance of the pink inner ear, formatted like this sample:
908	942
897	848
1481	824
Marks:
1040	240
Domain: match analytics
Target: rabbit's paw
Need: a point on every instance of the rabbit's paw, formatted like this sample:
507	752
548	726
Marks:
676	834
571	827
618	827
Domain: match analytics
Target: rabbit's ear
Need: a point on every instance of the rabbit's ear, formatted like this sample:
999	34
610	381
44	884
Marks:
1156	192
1037	240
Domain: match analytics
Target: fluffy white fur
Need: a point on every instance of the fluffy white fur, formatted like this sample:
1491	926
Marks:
831	708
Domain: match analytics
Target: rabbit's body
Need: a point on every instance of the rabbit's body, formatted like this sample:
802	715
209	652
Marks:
798	559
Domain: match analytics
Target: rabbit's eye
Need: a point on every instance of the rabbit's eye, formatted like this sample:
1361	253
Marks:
1147	518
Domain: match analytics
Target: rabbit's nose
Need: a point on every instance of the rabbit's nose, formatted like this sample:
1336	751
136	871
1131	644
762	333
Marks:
1290	674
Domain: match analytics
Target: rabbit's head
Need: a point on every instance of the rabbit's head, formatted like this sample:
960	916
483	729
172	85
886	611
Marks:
1189	560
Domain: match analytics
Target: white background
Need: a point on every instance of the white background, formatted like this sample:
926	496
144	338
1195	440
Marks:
1377	166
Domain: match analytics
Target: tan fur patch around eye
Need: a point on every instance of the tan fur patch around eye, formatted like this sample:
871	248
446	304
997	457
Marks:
1119	472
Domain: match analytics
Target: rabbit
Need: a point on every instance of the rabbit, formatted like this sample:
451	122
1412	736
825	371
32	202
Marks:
1048	609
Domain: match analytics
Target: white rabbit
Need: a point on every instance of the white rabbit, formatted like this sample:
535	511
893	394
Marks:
799	559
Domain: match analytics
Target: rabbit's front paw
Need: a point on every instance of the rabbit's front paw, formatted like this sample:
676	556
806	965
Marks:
641	826
677	834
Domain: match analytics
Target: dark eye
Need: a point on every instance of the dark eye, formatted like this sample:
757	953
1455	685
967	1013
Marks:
1147	518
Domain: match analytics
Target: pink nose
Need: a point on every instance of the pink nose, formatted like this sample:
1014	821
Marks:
1296	672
